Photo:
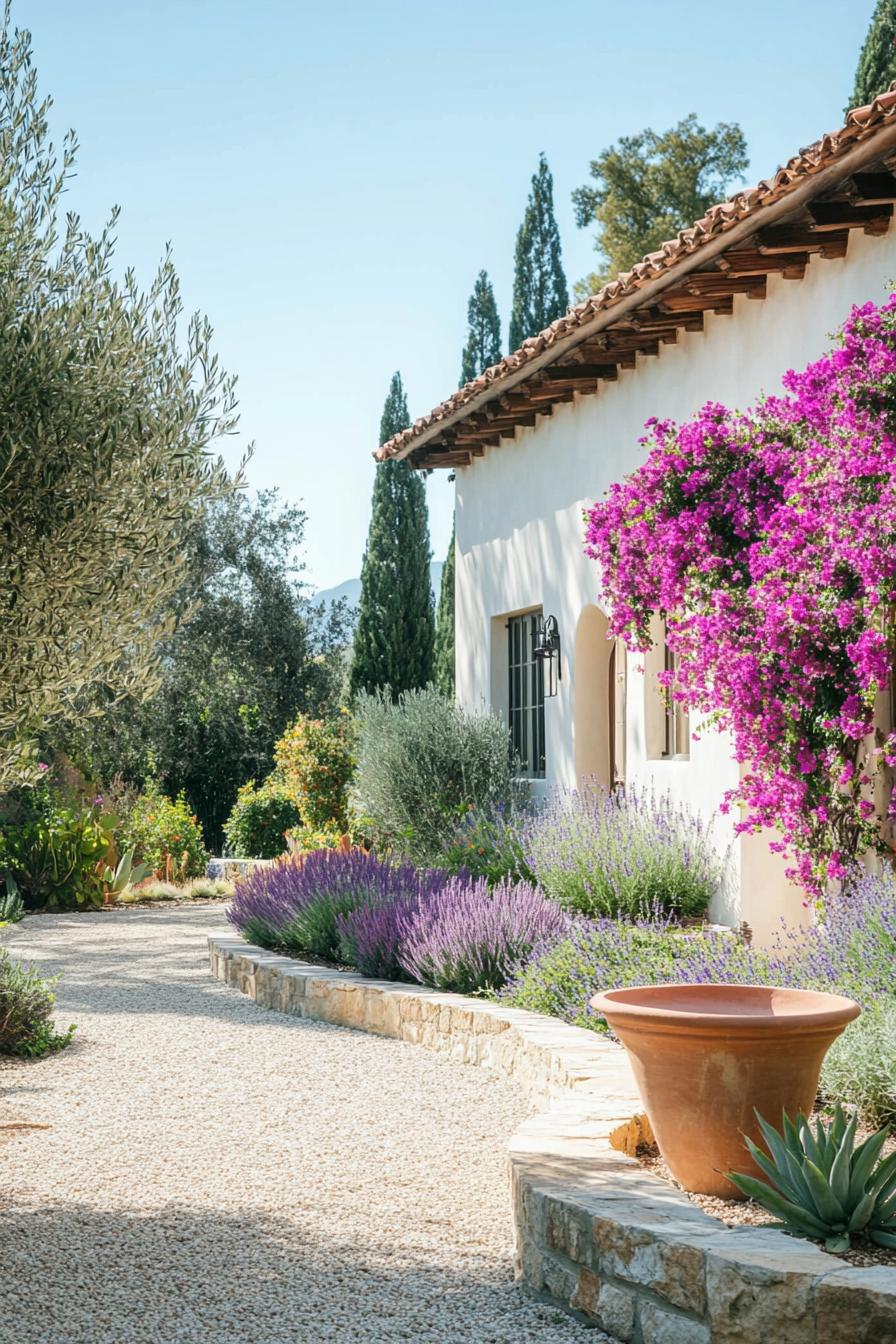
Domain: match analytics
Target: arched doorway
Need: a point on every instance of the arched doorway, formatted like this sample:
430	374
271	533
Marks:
599	701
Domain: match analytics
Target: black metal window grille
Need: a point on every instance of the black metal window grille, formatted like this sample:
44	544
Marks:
526	703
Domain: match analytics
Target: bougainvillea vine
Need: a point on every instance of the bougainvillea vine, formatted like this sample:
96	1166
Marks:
767	540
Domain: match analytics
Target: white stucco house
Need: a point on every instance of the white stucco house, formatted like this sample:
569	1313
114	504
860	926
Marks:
720	313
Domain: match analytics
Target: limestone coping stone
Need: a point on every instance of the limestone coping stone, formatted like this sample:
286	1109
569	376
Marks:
594	1230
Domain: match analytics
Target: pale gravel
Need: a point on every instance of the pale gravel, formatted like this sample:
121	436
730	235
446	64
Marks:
214	1172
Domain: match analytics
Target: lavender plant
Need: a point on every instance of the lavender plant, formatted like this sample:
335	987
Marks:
295	905
371	935
849	950
600	853
611	954
466	937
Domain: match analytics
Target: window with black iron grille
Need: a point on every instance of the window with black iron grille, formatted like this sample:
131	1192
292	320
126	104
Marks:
526	675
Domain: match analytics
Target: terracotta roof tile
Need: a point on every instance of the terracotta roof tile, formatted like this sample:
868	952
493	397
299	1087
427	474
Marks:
862	123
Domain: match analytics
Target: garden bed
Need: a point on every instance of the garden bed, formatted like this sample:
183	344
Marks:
594	1229
746	1213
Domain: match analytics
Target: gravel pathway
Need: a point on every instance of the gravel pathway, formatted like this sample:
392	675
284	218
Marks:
213	1173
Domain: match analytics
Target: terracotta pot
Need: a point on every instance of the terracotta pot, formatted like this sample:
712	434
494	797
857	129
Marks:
705	1055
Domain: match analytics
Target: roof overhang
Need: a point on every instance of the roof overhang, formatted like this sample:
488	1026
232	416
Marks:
843	182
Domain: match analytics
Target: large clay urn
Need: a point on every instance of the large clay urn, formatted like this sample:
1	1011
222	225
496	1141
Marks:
704	1056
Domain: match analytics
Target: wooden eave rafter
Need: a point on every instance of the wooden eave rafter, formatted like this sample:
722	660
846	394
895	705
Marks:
781	243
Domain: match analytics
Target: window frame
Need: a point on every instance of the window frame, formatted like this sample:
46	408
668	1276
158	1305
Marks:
525	693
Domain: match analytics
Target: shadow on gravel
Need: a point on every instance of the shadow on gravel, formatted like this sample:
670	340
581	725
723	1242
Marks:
76	1275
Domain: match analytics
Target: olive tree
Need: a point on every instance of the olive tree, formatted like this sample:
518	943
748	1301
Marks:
109	404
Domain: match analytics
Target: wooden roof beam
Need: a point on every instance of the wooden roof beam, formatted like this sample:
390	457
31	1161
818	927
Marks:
567	373
874	188
833	215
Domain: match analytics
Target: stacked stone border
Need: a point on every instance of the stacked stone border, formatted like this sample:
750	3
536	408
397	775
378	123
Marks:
594	1230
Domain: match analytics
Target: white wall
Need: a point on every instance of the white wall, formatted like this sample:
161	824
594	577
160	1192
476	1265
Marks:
520	532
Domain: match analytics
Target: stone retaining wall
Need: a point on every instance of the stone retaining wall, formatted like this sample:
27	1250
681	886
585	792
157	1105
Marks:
594	1230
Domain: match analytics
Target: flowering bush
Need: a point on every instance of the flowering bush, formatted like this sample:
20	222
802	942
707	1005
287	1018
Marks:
54	843
768	540
296	904
316	761
164	834
260	819
611	954
466	937
602	853
305	839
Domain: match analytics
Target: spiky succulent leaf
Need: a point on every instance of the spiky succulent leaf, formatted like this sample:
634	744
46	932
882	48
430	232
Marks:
793	1214
862	1212
828	1207
841	1167
881	1237
864	1162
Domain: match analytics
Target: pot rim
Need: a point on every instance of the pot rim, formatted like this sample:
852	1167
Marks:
622	1005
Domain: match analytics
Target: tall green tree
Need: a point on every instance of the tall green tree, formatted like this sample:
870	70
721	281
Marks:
648	186
877	61
395	632
249	652
483	347
540	292
444	646
110	406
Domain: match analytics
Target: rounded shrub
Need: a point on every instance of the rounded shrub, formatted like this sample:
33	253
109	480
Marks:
467	937
423	761
630	854
54	844
26	1011
260	819
316	761
860	1066
296	904
165	834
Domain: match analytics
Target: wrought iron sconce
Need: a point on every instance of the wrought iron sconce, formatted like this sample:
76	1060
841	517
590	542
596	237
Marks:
547	651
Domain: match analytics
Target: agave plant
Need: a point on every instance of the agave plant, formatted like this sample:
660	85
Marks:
820	1184
126	874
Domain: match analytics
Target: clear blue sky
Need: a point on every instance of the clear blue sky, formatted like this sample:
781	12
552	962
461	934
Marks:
333	176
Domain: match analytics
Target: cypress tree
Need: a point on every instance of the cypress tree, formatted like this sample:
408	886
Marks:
483	347
877	61
540	293
444	650
394	637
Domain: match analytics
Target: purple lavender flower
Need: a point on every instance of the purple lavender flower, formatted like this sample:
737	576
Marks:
296	903
466	937
601	853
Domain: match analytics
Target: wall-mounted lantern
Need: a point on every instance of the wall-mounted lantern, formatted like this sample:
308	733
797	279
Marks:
547	651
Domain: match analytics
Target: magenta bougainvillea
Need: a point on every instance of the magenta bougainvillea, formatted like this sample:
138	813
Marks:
767	539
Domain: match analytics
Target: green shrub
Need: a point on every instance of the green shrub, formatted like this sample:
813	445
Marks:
315	759
53	844
489	844
164	834
600	853
422	763
12	907
860	1066
261	816
26	1011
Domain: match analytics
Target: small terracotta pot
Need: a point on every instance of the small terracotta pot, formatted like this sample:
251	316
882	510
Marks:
705	1055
